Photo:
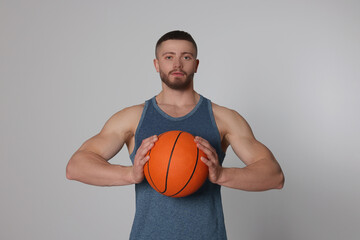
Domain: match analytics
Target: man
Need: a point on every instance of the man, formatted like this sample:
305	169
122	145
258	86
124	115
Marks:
177	107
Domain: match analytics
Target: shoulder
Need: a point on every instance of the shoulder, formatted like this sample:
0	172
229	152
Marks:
130	112
226	115
230	121
125	120
217	109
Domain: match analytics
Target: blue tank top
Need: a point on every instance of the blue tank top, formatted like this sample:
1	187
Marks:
198	216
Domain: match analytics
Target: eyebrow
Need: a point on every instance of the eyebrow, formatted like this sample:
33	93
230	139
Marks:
173	53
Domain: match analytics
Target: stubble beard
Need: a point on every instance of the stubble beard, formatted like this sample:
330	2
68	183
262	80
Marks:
177	84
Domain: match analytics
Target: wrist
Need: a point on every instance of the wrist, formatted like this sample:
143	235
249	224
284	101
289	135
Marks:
124	175
222	176
131	176
134	178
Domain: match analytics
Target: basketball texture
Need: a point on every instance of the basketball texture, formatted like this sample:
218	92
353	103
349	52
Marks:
174	168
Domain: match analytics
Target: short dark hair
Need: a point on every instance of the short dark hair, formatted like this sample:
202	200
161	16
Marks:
175	35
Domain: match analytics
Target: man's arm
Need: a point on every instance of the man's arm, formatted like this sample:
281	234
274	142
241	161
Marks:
90	163
262	171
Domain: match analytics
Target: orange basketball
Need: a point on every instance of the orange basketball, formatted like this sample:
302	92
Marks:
174	168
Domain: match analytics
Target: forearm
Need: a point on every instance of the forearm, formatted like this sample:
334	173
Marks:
259	176
90	168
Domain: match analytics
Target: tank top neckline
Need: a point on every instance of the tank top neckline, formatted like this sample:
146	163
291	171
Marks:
164	114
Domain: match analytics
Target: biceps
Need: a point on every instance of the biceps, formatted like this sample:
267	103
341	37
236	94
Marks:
250	150
105	145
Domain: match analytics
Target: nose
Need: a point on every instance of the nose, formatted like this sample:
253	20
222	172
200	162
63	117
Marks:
177	63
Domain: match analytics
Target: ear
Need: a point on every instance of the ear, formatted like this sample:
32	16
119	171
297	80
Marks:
197	65
156	64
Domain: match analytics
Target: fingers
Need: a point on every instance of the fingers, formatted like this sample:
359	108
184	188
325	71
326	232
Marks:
141	158
146	145
212	160
206	147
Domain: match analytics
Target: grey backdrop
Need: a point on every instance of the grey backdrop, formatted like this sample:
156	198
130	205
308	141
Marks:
291	68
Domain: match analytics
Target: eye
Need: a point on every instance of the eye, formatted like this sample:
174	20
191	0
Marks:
168	57
187	57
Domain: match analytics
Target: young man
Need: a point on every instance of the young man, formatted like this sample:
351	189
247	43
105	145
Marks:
177	107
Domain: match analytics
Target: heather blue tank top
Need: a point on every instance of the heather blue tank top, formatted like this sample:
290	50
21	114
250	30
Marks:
198	216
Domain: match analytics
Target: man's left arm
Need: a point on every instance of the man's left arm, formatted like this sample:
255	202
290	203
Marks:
262	171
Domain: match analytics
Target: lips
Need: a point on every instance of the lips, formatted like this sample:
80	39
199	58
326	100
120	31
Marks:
177	73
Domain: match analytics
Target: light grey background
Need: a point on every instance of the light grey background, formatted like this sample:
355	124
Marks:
291	68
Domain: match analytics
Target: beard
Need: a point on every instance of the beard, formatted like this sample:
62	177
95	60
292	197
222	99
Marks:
177	84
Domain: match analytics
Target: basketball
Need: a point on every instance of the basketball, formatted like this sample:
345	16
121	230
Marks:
175	168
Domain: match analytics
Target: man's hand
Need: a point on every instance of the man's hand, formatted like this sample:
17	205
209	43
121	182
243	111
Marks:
141	158
212	160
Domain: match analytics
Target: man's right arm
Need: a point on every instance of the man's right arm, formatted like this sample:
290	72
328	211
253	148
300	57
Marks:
90	165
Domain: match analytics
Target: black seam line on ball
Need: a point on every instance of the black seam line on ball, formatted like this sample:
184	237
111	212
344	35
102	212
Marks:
167	171
197	158
148	169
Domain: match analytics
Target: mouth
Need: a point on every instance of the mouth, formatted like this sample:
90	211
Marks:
177	73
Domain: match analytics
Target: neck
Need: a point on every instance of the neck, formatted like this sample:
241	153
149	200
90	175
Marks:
177	98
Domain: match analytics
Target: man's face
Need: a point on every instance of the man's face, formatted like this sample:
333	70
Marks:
176	62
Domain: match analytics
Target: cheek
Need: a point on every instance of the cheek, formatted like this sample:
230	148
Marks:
191	68
164	66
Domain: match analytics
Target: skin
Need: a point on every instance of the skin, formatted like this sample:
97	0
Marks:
176	63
